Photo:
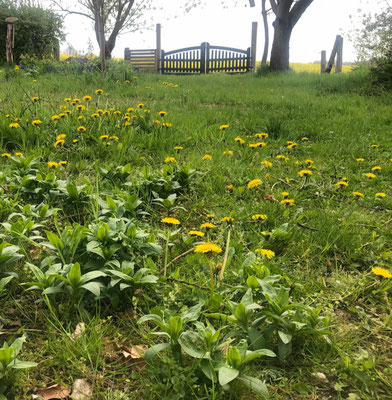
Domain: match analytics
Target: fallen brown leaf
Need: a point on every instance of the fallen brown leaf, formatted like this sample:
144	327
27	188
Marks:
134	354
53	392
81	390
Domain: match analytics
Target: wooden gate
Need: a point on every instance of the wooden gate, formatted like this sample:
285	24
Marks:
205	59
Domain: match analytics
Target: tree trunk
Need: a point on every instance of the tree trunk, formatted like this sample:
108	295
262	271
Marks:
280	53
266	33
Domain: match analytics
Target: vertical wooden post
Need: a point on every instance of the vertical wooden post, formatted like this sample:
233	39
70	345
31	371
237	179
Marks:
162	67
333	55
126	54
203	58
158	48
323	61
9	45
253	47
339	55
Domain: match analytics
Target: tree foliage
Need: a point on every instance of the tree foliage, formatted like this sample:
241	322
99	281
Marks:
373	39
36	32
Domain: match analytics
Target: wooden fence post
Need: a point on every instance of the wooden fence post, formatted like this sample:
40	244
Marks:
203	58
158	48
162	66
333	55
56	50
10	38
323	61
253	47
339	55
127	54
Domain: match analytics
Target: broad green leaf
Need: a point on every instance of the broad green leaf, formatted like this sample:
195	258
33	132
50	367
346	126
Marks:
285	337
227	374
192	344
149	279
193	313
284	349
5	281
75	275
252	355
252	282
23	364
72	189
240	313
55	241
254	384
234	357
92	275
6	355
208	369
93	287
150	354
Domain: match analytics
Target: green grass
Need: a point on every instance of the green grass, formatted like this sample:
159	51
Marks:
325	244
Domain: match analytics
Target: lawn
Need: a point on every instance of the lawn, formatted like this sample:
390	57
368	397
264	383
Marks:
206	237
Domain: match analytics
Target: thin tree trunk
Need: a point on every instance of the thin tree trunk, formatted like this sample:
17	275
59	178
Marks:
266	33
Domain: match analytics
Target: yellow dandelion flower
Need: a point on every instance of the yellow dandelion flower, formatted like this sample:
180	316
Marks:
80	107
55	117
223	127
228	152
210	216
81	129
262	135
309	162
207	157
63	163
230	187
140	105
265	252
170	160
207	225
178	148
360	159
196	233
227	219
6	155
287	202
254	183
382	272
305	172
341	183
14	125
87	98
61	136
292	145
370	175
16	67
282	157
304	139
99	91
239	140
358	194
207	248
35	99
381	195
170	221
59	142
162	113
75	141
94	115
285	194
52	164
267	164
67	99
19	154
259	217
374	146
36	122
376	168
104	137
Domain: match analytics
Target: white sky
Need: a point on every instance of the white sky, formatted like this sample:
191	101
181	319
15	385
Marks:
315	31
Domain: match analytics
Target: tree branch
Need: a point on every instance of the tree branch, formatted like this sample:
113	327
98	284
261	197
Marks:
297	10
274	6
